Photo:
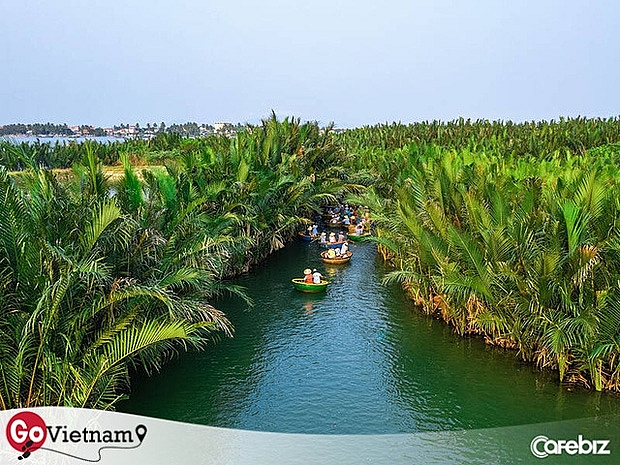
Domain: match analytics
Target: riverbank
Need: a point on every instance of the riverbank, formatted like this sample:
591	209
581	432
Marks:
355	360
119	274
521	252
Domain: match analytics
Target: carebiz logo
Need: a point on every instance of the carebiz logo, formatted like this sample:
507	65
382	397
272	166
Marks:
542	446
27	433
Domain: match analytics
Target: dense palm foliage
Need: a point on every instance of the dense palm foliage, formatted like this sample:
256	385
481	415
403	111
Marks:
507	231
504	138
524	252
77	308
96	277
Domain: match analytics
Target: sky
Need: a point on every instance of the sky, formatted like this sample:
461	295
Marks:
353	62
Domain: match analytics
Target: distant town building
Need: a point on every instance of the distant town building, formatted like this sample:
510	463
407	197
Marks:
219	127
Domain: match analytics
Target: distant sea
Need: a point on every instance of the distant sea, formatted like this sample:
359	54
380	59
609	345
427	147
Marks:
59	139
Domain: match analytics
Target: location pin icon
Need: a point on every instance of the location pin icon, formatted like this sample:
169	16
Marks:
141	432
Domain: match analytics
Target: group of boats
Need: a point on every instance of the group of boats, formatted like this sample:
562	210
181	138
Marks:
304	236
333	255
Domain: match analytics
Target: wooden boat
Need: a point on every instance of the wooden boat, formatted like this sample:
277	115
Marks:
310	288
336	260
361	237
304	237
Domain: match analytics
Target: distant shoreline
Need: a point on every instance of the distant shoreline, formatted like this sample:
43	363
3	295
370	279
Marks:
61	139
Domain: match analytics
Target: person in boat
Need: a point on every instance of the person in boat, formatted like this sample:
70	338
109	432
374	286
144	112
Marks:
332	238
315	231
307	275
323	238
359	229
337	250
346	221
344	249
341	236
316	277
309	231
331	253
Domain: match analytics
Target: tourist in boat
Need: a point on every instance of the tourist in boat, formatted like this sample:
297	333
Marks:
337	250
332	237
316	277
346	221
344	249
315	230
359	229
323	238
331	253
307	275
341	236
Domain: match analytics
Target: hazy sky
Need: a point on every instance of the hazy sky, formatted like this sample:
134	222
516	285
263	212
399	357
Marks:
353	62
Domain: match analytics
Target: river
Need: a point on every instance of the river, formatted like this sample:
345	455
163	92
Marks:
356	360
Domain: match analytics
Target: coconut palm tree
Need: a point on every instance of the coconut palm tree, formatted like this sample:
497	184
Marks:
74	317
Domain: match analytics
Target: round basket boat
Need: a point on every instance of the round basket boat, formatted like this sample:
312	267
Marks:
310	288
358	238
336	260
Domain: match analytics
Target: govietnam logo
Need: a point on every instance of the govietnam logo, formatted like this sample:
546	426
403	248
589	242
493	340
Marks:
542	446
27	432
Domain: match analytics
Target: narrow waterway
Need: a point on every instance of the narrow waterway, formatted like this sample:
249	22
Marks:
356	360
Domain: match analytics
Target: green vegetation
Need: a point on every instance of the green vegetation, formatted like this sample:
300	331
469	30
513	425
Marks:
536	138
521	248
96	278
505	231
37	128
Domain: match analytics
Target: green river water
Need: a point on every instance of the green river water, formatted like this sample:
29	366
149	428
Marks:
356	360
